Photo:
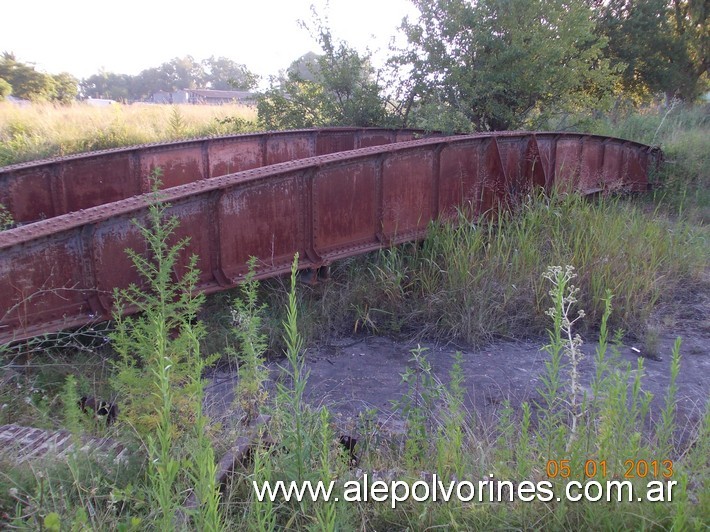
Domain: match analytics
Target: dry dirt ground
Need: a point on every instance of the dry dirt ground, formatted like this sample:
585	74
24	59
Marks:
356	375
361	374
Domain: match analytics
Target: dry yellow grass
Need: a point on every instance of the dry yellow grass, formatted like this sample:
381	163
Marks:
46	130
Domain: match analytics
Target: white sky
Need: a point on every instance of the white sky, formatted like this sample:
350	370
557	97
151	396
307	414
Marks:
83	36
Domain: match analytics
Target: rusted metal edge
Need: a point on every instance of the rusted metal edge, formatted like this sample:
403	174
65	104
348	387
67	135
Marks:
52	270
44	189
69	221
198	140
194	141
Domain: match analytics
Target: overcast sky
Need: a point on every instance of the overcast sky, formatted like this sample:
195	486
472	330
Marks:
82	36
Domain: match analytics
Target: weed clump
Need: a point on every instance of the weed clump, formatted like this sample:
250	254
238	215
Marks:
6	219
159	374
247	318
478	280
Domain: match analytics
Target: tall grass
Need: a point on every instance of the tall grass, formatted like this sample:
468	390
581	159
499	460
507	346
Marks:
474	280
477	281
45	130
159	374
569	437
682	131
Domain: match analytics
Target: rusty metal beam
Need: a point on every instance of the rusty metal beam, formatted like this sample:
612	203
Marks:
61	272
44	189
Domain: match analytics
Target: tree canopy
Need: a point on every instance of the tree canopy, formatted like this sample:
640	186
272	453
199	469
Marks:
499	63
467	65
178	73
661	46
27	83
338	87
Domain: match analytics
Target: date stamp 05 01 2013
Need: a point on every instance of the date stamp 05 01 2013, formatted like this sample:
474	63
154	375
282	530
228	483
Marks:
593	468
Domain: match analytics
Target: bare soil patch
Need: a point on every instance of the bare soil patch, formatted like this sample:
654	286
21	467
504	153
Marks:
356	375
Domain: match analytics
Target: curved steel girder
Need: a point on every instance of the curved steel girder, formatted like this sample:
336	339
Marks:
61	272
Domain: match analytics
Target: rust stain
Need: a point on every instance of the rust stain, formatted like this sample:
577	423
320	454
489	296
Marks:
326	194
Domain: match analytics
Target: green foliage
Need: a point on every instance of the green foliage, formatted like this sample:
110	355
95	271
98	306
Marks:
5	89
29	84
564	297
26	82
66	88
640	41
231	124
478	280
296	427
159	371
290	399
338	88
118	87
6	220
666	427
218	73
261	515
662	46
203	470
73	416
523	443
691	24
294	104
682	184
450	451
81	491
158	343
247	317
505	63
306	451
177	128
417	405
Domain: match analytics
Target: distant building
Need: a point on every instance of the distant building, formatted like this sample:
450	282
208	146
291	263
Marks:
100	102
161	97
204	97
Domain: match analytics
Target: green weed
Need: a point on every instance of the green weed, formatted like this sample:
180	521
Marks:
247	317
159	373
477	280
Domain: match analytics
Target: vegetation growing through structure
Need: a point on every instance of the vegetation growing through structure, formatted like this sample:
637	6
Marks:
481	282
476	280
6	220
443	438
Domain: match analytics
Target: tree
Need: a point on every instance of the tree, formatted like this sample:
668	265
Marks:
338	87
502	64
25	81
660	45
178	73
5	89
294	104
30	84
119	87
691	25
66	88
306	67
224	74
